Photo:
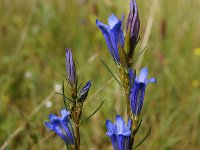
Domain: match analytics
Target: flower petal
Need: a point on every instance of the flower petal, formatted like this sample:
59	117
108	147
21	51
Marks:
143	75
57	127
49	125
110	127
64	113
120	124
151	80
52	117
112	21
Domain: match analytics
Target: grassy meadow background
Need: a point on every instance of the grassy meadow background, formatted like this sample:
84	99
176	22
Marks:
33	37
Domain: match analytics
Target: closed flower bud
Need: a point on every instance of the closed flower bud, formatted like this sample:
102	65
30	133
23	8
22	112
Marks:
84	91
132	30
71	69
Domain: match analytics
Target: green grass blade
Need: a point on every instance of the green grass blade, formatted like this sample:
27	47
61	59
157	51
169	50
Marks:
142	141
85	120
110	72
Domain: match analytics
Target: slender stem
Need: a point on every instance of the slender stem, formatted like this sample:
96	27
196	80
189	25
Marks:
128	104
133	128
77	132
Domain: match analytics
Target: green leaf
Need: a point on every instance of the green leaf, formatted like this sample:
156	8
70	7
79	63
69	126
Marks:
139	124
142	141
85	120
139	54
110	72
67	147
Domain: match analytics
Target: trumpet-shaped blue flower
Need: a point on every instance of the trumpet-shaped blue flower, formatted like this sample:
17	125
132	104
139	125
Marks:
62	126
113	35
119	133
71	68
138	90
84	91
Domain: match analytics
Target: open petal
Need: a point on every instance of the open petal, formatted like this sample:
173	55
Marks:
120	124
112	21
52	117
109	40
64	113
110	127
49	125
152	80
143	75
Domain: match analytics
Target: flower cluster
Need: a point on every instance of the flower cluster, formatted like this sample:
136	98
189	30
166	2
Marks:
62	125
122	50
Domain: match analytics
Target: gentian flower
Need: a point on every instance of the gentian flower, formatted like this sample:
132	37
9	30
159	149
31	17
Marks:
84	91
132	29
138	90
62	126
119	133
113	35
71	68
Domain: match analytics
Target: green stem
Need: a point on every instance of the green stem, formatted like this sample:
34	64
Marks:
128	104
133	128
77	132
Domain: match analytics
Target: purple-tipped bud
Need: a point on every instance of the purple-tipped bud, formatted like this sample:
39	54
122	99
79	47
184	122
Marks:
84	91
71	68
132	29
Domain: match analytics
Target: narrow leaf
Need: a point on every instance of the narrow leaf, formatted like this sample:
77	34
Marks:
139	54
142	141
63	91
139	124
85	120
67	147
66	98
110	72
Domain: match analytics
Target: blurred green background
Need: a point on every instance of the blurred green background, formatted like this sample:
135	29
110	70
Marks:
33	37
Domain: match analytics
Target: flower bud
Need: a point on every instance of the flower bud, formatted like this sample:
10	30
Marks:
132	29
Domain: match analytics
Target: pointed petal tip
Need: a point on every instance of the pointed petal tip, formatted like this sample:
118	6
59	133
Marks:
153	80
48	125
52	117
64	113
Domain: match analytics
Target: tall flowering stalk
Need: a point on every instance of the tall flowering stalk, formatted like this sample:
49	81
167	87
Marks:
62	125
122	50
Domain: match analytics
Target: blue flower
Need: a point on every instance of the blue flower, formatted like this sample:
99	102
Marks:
119	133
133	26
62	126
71	68
113	35
138	90
84	91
